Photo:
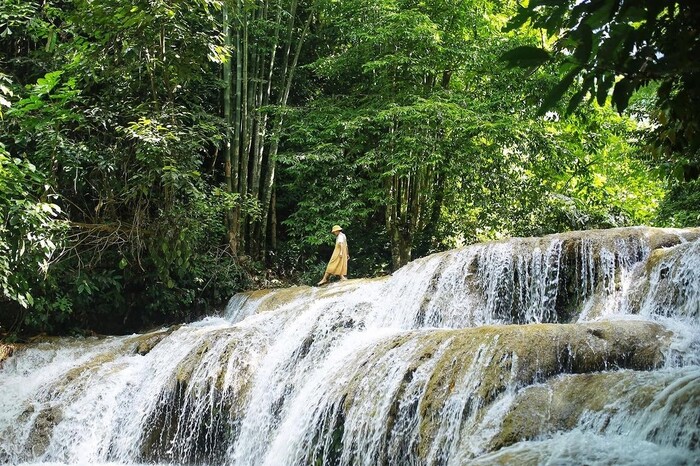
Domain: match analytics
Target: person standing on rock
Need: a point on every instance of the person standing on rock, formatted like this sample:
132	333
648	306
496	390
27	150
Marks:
338	265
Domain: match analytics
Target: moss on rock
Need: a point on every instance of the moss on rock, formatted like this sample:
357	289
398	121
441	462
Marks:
560	404
147	341
467	370
588	268
42	427
664	285
484	362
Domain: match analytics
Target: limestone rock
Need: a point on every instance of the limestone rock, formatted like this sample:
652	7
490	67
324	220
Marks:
5	352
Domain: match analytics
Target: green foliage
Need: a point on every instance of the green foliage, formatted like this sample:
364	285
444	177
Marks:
397	107
122	128
5	93
344	192
681	206
608	45
403	126
601	183
389	121
29	229
526	56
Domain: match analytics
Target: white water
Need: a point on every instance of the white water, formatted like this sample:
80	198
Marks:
378	371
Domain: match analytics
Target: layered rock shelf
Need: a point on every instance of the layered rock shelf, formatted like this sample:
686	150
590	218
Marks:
577	347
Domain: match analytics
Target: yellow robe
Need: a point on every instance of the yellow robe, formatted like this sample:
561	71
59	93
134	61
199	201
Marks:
338	265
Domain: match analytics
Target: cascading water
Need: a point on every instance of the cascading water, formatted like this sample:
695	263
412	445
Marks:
578	348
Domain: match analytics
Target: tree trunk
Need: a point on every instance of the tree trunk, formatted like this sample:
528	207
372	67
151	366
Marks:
412	206
260	184
256	132
273	221
236	228
398	221
243	173
228	162
288	72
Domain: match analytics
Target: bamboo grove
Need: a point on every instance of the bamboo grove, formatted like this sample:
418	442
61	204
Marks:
266	39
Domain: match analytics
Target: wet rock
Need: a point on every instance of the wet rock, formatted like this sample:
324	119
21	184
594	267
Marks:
669	283
273	299
482	363
199	412
180	430
42	428
604	401
555	278
146	342
668	237
5	352
454	377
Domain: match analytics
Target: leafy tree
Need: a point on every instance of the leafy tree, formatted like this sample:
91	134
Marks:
30	227
393	63
118	109
680	207
29	231
624	46
415	119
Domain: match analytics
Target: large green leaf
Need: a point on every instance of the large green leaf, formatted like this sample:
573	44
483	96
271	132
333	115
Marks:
585	44
605	82
558	91
525	56
518	20
622	93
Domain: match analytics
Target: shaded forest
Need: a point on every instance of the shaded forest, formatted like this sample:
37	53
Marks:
158	156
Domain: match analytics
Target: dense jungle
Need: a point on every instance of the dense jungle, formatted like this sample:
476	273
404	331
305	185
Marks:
158	156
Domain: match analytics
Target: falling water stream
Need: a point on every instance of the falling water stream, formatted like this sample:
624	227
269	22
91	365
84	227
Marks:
577	348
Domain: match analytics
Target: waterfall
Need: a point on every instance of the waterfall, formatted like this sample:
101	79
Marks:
581	347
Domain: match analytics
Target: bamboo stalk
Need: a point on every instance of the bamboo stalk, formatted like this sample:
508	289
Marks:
282	102
232	237
237	134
